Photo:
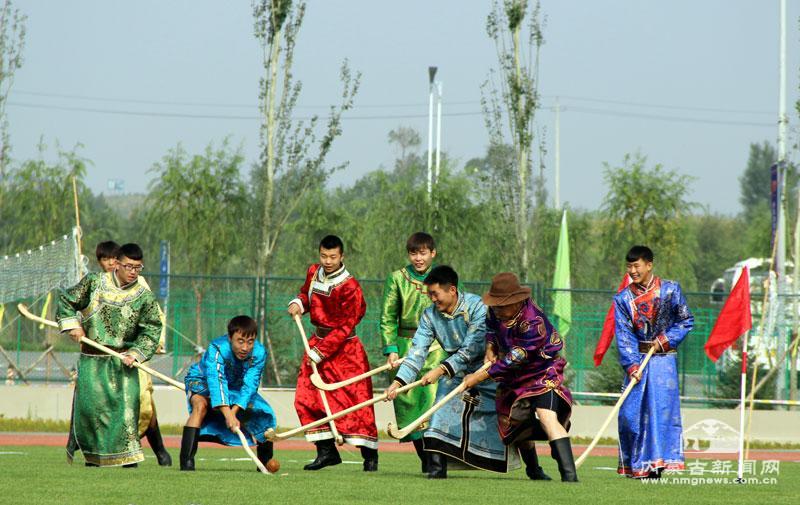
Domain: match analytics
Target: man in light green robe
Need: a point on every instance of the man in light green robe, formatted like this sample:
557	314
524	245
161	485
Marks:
405	296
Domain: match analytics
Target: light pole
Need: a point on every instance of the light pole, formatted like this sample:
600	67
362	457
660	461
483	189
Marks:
438	130
431	78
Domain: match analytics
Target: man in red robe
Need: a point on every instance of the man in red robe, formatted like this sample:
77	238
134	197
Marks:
335	302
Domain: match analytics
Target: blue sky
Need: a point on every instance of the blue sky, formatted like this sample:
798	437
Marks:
689	84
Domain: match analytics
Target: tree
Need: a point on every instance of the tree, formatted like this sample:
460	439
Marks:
650	207
292	159
39	204
198	203
407	139
12	42
510	104
754	183
293	154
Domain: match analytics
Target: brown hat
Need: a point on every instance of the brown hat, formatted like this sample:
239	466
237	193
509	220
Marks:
505	290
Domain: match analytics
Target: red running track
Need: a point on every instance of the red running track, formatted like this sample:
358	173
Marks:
60	440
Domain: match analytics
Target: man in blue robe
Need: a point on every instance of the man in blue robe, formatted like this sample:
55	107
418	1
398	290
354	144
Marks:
650	313
222	394
464	430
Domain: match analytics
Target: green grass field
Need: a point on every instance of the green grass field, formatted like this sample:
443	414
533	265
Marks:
40	475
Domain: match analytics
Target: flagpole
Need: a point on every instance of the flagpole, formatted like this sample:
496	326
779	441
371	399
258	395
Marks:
742	395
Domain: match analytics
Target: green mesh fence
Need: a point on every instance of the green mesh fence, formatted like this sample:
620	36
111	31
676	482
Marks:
199	307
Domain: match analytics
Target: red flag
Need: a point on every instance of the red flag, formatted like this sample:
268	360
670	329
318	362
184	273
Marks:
733	320
608	327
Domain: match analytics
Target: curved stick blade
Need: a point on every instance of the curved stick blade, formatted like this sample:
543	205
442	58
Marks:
318	383
246	447
394	432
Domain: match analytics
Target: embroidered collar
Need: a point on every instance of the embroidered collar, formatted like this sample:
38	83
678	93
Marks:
332	277
518	316
412	275
460	310
638	290
323	284
117	284
645	303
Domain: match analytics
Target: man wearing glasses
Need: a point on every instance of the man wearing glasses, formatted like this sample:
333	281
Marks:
116	310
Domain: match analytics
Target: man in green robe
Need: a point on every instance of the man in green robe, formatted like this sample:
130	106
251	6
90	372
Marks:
405	296
116	310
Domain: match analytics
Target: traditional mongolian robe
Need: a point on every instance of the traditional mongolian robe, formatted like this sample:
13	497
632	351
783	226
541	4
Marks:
147	404
106	401
336	305
529	373
650	431
465	429
405	296
226	380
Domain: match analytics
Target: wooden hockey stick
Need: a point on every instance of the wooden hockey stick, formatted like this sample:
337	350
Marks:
249	451
100	347
614	411
272	435
336	435
320	384
392	430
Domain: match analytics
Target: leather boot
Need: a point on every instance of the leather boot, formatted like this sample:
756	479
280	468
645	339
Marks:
531	459
437	465
423	457
153	435
189	447
370	459
264	452
327	455
561	450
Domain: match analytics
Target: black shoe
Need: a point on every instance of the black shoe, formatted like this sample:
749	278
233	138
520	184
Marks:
532	468
437	465
561	450
419	447
370	459
327	455
189	448
264	452
153	435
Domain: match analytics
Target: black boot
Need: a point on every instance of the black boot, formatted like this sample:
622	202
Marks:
370	459
327	455
153	435
561	450
423	457
437	465
264	452
189	447
532	468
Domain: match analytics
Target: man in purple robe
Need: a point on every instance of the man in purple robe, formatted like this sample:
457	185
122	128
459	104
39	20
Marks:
532	402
